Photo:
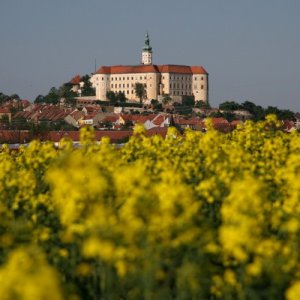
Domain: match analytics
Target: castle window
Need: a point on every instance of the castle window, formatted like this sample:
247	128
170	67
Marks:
123	78
127	92
131	78
112	79
127	78
201	78
202	87
116	85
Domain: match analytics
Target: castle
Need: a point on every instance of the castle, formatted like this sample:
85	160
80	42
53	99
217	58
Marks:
159	80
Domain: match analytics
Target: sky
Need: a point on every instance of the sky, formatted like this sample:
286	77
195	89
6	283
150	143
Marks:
250	48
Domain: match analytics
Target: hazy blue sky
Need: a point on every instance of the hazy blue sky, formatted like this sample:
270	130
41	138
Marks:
251	48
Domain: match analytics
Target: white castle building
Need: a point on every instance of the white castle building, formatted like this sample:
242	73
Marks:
159	80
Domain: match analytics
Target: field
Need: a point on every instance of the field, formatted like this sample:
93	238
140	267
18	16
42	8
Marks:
193	216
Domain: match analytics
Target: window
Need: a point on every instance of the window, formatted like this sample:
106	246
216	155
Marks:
123	78
131	78
202	87
201	78
112	86
102	78
127	92
127	79
112	79
120	85
141	78
127	86
123	85
116	85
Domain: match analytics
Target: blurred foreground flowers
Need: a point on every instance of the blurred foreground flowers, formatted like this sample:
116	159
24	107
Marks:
198	216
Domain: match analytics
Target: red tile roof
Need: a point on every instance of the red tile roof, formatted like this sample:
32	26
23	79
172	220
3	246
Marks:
157	131
180	69
4	111
115	136
76	79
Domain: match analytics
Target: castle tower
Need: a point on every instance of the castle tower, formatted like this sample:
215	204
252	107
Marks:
147	52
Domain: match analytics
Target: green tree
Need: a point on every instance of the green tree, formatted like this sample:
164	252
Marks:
3	98
229	105
52	97
39	99
188	101
202	104
120	97
258	112
65	91
140	91
166	99
14	96
87	89
111	96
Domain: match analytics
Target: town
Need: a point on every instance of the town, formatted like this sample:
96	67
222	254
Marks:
115	98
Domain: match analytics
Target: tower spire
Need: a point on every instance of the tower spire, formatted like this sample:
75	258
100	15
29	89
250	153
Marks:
147	51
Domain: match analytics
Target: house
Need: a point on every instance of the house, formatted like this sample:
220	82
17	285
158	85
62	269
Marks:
5	113
74	118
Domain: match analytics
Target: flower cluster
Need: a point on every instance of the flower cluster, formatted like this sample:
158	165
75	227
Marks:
192	216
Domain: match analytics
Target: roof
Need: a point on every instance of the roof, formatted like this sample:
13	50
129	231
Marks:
4	111
180	69
76	79
115	136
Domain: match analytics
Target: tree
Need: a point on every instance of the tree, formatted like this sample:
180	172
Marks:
3	98
52	97
188	100
65	91
202	104
120	97
258	112
140	91
111	96
166	99
229	105
39	99
15	96
87	89
156	105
